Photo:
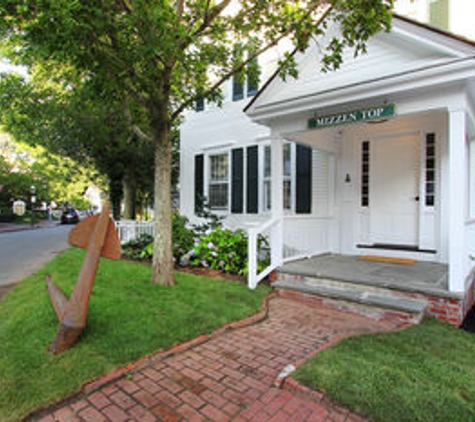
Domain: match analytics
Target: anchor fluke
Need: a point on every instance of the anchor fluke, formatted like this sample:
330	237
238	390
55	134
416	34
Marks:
98	235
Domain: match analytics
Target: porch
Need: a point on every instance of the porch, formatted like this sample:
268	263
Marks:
402	289
428	278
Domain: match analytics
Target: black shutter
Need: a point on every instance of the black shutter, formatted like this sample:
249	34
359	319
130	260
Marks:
304	180
237	181
199	183
252	180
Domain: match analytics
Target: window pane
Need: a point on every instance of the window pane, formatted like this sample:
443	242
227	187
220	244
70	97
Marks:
267	168
238	87
219	168
267	195
218	195
287	195
430	169
286	159
365	159
200	104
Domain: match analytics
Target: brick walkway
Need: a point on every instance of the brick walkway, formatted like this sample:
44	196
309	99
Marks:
229	377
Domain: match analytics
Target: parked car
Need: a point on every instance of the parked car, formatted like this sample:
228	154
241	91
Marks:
69	216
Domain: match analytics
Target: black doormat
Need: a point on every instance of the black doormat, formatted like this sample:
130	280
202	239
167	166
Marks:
391	247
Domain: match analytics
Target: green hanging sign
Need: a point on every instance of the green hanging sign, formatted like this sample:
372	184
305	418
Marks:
373	113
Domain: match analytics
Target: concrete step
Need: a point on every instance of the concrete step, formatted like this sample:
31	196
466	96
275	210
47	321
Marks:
354	293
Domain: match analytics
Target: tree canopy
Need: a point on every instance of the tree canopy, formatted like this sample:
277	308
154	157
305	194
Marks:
55	178
164	54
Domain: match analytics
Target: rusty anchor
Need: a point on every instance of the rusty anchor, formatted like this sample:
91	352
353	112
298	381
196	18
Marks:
98	235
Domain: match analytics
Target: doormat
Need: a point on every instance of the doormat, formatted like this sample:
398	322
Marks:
388	259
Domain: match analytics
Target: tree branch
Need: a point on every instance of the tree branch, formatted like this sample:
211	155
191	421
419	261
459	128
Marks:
209	17
242	65
141	134
135	128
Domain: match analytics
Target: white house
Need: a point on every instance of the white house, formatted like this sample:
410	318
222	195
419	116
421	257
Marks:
377	158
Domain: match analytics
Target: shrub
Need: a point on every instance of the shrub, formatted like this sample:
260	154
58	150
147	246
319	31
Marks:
183	241
183	237
133	248
211	221
225	250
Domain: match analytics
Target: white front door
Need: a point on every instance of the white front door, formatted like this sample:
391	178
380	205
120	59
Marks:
394	190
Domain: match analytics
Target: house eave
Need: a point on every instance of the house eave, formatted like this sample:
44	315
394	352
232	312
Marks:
455	71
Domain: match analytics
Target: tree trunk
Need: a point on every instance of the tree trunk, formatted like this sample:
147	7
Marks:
130	195
162	246
115	195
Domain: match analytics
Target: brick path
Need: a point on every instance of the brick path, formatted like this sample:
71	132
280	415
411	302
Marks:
229	377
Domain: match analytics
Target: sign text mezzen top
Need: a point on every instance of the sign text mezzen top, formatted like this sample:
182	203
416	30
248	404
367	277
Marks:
373	113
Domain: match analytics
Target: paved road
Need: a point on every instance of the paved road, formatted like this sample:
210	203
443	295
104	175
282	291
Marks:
23	252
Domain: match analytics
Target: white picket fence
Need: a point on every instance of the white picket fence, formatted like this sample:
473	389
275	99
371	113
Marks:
131	229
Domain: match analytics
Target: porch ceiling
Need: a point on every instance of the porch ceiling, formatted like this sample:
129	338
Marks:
326	139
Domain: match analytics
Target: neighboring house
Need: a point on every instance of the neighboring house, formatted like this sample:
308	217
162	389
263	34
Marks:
455	16
375	158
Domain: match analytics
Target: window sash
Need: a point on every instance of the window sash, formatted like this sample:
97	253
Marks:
218	184
287	183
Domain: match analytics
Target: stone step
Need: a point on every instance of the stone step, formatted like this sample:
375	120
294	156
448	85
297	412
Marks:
353	292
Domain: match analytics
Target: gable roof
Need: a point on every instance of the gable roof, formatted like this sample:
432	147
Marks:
411	52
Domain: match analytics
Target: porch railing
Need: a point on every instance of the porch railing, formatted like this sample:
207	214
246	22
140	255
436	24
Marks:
271	246
131	229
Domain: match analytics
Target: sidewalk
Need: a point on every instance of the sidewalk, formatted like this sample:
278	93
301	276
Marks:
230	377
9	227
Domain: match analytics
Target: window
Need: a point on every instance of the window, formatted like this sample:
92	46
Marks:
267	178
245	82
238	87
430	170
218	181
200	104
253	78
439	13
365	174
287	187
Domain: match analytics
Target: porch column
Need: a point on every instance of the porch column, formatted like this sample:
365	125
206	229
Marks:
457	199
277	199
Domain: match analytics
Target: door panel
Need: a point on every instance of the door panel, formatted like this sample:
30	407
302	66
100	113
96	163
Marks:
394	190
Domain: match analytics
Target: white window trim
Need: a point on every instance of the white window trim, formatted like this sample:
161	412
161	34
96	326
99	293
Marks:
207	176
292	177
471	181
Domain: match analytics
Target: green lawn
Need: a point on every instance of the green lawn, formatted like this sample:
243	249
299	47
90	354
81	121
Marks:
128	318
424	373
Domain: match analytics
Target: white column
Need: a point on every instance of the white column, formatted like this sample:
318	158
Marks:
277	199
457	199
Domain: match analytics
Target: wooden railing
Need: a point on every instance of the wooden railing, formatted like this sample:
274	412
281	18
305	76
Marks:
271	231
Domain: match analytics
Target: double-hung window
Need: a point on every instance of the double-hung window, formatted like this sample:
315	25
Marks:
287	186
218	188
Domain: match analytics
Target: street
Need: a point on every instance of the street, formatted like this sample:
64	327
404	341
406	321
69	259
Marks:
23	252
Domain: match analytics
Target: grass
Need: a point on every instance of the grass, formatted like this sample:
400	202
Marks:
424	373
128	318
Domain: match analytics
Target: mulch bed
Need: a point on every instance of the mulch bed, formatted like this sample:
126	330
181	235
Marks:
208	272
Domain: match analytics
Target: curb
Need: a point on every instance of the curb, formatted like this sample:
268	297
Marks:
90	386
21	228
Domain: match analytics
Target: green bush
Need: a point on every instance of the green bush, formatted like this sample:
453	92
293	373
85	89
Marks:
7	216
225	250
183	241
219	249
133	248
183	237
